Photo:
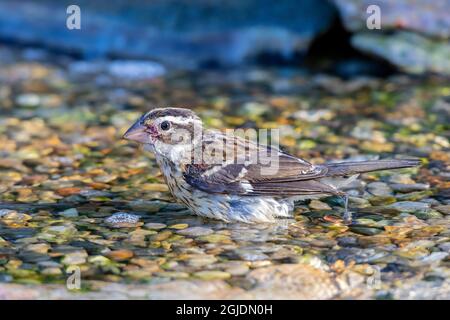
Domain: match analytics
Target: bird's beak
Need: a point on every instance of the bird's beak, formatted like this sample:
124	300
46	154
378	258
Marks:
137	132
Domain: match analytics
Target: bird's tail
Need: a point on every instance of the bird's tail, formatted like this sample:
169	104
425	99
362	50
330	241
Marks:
350	168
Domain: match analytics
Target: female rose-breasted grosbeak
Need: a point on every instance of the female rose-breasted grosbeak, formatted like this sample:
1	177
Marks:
217	175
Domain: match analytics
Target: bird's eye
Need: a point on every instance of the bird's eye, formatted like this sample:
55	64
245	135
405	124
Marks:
165	125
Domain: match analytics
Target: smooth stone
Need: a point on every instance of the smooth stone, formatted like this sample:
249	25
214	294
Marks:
51	271
120	255
399	187
94	193
359	202
136	70
64	230
172	274
195	231
69	213
49	264
366	231
443	209
239	270
298	281
382	200
161	236
398	178
379	189
347	241
415	196
99	260
38	248
357	255
122	219
445	247
429	214
252	256
4	212
28	100
409	206
212	275
201	260
319	205
214	238
179	226
13	215
75	258
154	225
433	258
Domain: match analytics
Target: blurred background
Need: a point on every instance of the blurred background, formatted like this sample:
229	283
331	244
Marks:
330	36
74	194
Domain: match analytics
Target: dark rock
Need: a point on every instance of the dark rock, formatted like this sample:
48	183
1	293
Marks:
401	14
423	48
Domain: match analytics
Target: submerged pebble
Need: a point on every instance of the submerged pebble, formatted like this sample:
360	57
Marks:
122	220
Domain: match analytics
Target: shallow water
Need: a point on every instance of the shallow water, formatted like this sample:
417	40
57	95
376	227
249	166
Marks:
65	174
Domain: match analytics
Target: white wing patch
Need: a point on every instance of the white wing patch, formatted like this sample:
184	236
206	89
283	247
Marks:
246	186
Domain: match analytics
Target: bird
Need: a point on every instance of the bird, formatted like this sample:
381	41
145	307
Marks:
216	175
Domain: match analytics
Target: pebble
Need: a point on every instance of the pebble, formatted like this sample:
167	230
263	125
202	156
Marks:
415	196
319	205
358	202
13	215
409	206
432	258
401	179
179	226
4	212
195	231
443	209
136	70
382	200
62	230
214	238
172	274
238	270
347	241
400	187
51	271
252	256
99	260
445	247
429	214
154	226
42	248
201	260
161	236
122	220
120	255
75	258
28	100
379	189
366	231
212	275
69	213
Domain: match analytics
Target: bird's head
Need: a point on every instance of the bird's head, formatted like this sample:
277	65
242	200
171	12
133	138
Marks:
169	132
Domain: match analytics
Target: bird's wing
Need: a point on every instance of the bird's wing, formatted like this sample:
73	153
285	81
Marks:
272	173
